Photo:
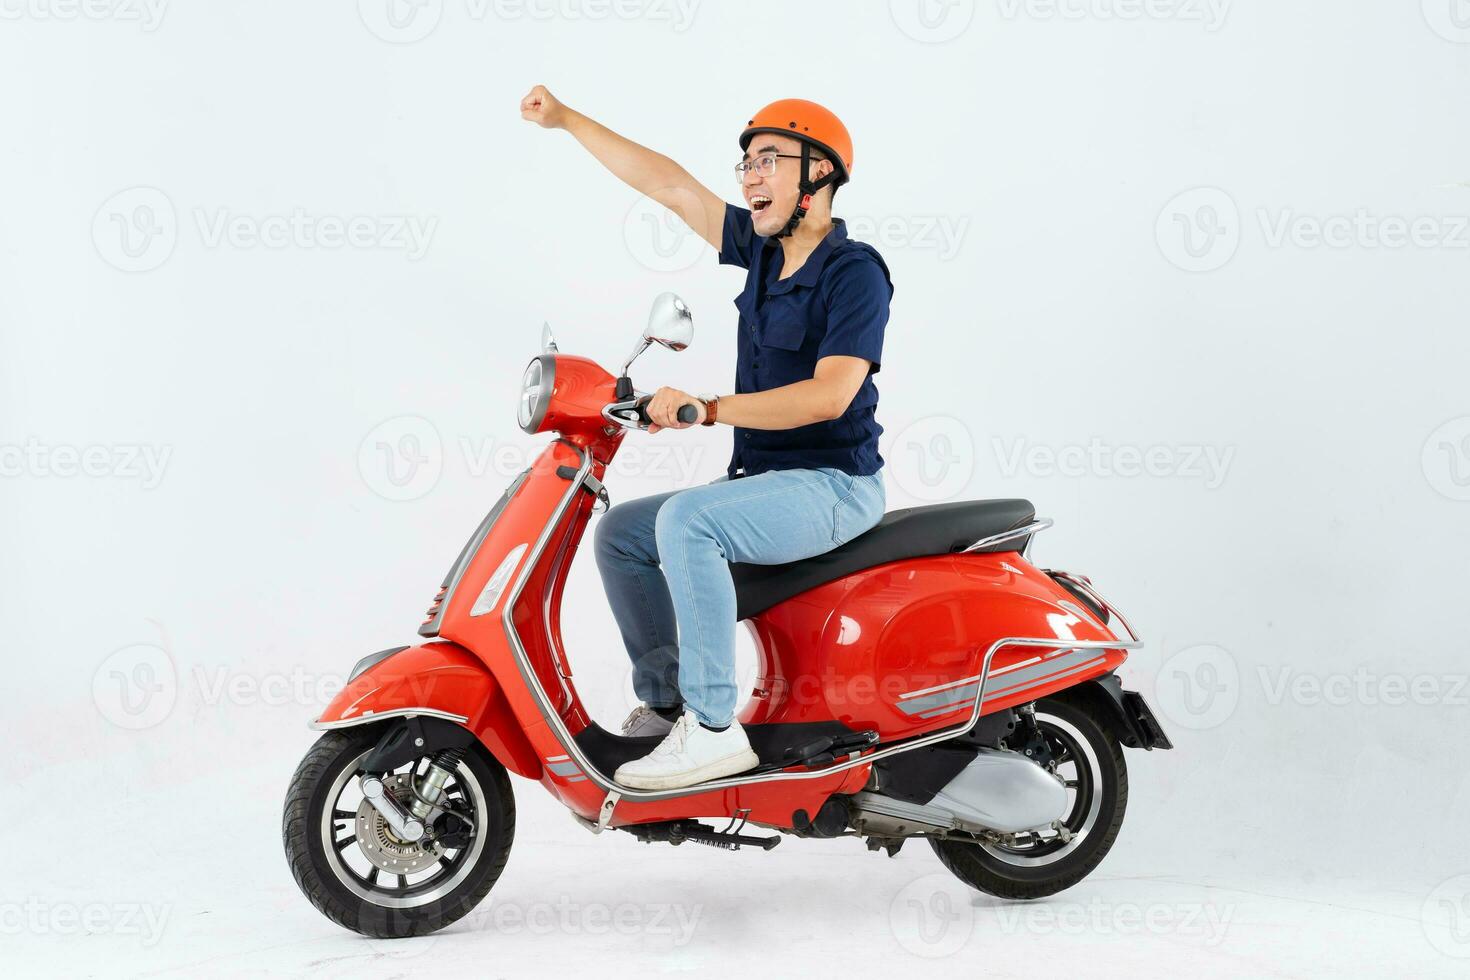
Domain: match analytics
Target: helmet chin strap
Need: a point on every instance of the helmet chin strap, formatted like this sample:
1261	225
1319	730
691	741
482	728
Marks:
806	187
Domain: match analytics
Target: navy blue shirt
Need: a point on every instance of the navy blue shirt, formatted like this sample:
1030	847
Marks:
835	304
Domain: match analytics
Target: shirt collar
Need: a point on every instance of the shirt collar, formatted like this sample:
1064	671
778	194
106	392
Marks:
811	269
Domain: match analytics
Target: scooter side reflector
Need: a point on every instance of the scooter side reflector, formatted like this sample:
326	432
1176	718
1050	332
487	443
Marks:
490	594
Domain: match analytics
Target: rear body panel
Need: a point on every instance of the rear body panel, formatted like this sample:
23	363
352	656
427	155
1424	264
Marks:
898	648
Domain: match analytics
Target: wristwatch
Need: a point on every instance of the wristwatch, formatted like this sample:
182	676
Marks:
711	409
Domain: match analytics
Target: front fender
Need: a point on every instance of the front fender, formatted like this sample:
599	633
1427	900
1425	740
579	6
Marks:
437	680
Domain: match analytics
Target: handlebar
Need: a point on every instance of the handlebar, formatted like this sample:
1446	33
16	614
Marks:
687	413
634	414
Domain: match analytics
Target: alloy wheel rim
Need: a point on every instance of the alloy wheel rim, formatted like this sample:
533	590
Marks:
339	829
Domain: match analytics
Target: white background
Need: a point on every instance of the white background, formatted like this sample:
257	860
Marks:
234	466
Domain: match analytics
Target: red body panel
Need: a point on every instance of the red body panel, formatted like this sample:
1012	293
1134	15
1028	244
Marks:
865	647
443	677
895	648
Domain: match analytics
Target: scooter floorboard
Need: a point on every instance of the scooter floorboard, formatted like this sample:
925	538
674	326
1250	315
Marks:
770	741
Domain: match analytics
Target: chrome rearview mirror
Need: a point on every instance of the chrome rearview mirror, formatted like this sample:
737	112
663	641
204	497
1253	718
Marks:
548	342
670	324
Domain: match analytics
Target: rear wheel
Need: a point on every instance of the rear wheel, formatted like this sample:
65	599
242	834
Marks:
1090	760
359	874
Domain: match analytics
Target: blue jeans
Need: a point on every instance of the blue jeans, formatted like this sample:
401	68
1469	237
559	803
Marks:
679	624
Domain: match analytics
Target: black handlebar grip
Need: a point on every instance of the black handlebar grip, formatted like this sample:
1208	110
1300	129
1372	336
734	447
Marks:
687	413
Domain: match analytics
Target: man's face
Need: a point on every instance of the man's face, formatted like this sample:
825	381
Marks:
772	199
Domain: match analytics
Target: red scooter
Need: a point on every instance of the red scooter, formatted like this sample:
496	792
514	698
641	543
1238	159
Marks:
923	680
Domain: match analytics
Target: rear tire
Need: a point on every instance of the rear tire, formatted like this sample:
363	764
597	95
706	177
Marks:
1095	815
359	902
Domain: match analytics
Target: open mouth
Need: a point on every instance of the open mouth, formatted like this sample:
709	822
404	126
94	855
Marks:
759	202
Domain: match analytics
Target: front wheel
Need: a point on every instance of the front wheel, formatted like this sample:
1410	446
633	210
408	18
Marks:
351	866
1090	760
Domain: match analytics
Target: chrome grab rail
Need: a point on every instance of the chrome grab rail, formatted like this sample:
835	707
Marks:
617	791
1092	594
1040	524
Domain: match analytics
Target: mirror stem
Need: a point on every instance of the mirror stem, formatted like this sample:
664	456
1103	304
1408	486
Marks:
637	353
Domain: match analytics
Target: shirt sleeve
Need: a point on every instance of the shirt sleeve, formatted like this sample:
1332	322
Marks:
857	293
738	240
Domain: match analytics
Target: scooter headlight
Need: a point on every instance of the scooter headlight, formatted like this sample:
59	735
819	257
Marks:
536	385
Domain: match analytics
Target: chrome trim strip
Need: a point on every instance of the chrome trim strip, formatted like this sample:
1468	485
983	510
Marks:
1005	691
964	681
948	698
1041	524
563	669
328	726
618	792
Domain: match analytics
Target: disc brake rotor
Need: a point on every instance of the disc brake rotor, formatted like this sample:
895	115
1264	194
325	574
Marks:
379	844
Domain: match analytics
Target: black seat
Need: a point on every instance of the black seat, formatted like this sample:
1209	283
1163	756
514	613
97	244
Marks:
939	529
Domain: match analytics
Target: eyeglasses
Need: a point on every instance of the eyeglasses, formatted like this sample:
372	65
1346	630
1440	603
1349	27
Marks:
763	165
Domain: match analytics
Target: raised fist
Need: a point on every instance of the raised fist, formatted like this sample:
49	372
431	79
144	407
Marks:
540	107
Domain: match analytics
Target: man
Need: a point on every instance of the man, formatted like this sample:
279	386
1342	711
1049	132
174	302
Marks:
804	477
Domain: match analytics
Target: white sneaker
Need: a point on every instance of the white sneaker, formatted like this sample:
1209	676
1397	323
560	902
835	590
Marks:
690	754
644	721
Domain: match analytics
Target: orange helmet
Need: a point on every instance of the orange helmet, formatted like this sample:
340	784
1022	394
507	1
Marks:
813	126
810	123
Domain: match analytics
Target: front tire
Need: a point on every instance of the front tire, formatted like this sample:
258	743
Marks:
1091	760
344	863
